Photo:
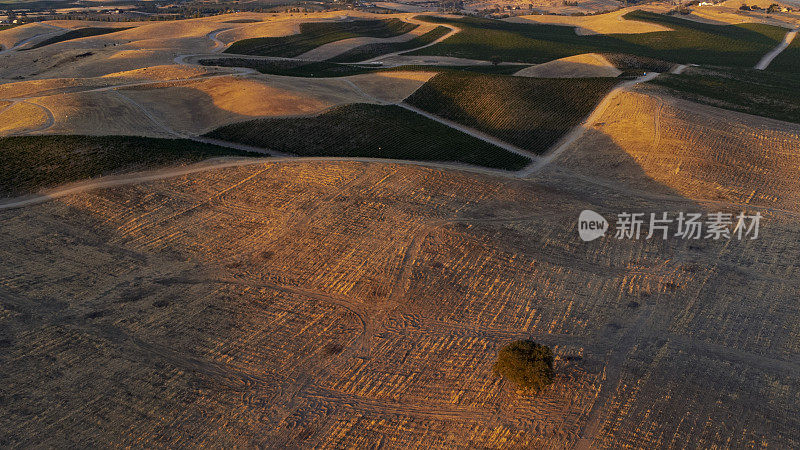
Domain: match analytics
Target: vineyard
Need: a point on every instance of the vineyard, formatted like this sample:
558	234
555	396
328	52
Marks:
327	69
31	163
369	131
369	51
77	34
757	92
689	42
532	113
410	273
788	60
637	64
292	68
315	34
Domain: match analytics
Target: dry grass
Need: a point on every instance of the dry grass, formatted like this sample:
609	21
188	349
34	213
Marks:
199	106
608	23
12	36
653	142
344	304
20	118
392	86
587	65
97	113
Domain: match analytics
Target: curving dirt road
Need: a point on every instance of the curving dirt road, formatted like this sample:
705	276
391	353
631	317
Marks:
218	45
453	30
767	59
24	42
48	123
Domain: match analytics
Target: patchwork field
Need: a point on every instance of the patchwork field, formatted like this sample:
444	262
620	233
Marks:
161	286
315	34
532	113
370	131
688	42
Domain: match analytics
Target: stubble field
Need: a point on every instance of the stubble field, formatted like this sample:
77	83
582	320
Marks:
197	315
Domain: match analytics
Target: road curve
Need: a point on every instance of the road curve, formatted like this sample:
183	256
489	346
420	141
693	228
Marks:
767	59
211	164
22	43
453	30
218	45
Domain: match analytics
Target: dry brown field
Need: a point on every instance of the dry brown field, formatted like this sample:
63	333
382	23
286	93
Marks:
650	141
578	66
302	304
355	303
607	23
542	6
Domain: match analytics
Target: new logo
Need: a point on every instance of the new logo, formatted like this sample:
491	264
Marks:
591	225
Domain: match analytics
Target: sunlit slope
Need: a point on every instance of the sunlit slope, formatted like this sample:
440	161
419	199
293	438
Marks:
578	66
699	151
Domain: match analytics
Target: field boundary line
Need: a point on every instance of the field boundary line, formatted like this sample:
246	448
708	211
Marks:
473	132
453	31
134	178
568	139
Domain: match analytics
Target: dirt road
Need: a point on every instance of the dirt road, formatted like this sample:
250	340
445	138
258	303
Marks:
568	139
767	59
24	42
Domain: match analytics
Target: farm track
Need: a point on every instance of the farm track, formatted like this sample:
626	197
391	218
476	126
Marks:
568	139
218	45
221	163
474	133
49	122
767	59
24	42
453	31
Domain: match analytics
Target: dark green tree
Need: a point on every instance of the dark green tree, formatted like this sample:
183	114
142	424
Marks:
528	364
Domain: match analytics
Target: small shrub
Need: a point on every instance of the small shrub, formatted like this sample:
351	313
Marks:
528	364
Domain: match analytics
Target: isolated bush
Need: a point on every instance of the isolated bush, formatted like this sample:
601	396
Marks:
528	364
